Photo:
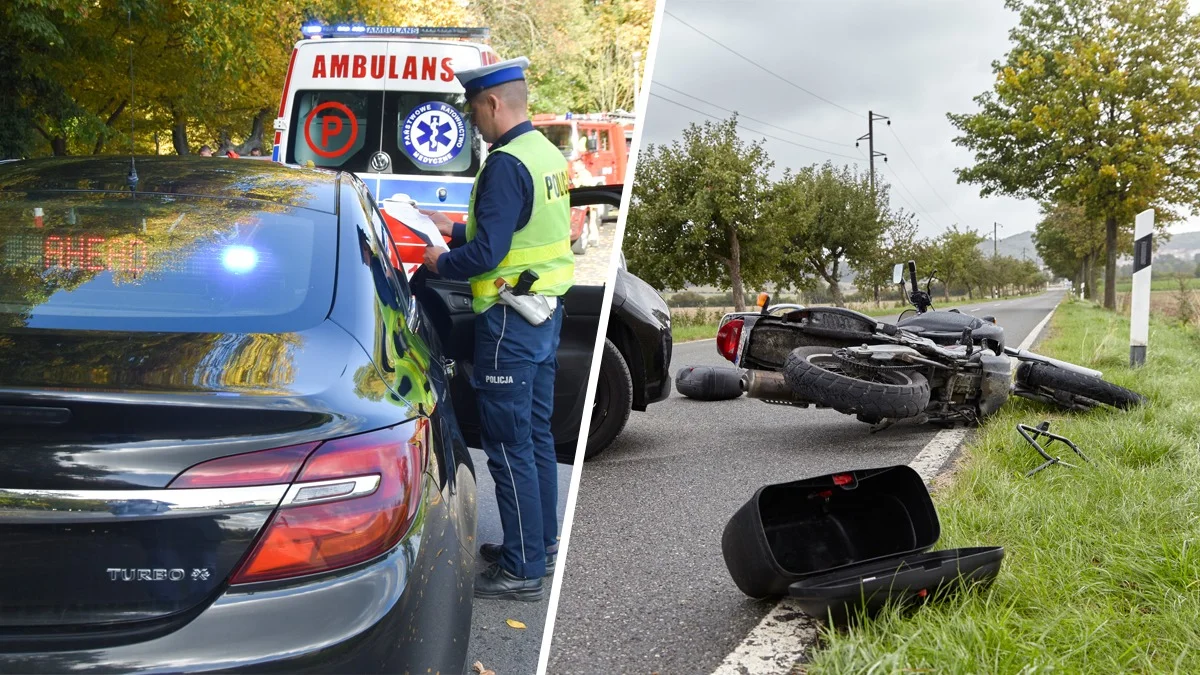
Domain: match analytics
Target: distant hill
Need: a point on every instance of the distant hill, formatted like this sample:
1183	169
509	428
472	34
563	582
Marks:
1019	245
1185	245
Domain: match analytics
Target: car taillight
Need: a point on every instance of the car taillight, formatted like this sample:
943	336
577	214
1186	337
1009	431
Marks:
728	338
265	467
354	498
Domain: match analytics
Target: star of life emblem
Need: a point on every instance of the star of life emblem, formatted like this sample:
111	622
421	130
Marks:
434	133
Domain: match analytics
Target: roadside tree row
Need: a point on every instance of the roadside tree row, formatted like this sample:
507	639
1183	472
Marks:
706	212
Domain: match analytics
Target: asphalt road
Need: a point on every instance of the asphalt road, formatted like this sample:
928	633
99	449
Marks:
501	648
645	587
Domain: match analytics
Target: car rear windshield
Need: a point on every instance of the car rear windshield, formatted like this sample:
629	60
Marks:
403	132
152	262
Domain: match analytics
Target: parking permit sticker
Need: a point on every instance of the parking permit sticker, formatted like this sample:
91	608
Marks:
330	129
434	133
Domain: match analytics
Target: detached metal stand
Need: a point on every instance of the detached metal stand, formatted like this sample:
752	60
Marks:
1030	434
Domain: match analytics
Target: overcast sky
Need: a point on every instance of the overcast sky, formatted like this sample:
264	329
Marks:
912	60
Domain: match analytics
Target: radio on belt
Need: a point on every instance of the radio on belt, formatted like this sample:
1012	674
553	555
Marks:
535	308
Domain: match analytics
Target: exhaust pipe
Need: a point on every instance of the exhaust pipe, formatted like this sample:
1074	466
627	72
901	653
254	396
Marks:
767	384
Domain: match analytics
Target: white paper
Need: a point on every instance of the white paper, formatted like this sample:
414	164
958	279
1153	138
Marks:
404	210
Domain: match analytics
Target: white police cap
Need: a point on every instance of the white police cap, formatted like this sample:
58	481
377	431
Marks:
476	80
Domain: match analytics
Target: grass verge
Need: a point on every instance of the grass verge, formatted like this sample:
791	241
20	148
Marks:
692	332
1102	565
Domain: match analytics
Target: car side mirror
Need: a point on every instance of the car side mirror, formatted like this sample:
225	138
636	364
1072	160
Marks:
898	273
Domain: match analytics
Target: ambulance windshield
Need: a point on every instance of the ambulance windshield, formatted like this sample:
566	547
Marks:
560	135
395	132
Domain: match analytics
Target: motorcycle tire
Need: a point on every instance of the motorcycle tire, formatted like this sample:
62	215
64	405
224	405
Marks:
1040	375
887	394
709	383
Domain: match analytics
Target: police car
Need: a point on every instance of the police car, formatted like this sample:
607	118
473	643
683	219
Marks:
382	102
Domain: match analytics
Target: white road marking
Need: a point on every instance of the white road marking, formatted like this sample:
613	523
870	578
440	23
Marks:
1037	331
929	461
774	645
786	633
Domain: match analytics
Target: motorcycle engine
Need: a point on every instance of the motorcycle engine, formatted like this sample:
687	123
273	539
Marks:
996	384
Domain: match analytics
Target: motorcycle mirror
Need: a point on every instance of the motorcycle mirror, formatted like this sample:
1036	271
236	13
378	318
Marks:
898	273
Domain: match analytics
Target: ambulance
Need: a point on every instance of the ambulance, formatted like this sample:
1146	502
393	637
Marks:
383	102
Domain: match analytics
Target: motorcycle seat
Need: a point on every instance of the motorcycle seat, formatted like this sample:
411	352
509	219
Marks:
946	327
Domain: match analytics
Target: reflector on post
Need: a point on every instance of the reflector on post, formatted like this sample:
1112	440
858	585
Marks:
1139	319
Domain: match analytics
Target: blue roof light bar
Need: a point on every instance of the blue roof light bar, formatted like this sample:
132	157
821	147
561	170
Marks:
316	30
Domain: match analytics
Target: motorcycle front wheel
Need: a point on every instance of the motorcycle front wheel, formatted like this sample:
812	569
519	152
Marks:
1074	390
815	374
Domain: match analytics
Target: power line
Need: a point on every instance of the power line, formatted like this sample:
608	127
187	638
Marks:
910	194
800	145
922	173
760	66
658	83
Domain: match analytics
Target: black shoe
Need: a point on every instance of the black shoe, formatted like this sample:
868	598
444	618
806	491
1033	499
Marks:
496	583
491	554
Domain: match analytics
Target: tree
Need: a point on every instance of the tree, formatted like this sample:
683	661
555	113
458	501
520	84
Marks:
206	68
1096	104
899	244
1071	243
697	216
829	216
580	52
957	259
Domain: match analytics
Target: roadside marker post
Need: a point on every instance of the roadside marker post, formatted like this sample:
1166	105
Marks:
1139	320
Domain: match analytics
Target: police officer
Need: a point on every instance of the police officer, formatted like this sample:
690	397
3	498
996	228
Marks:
518	219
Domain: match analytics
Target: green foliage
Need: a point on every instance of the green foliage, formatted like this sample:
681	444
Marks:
211	71
828	216
1097	104
705	213
686	299
957	259
581	53
1070	243
697	216
899	244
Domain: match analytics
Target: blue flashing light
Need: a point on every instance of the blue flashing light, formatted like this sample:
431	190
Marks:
239	259
356	29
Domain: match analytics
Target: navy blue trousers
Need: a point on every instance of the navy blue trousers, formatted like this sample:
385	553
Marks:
514	381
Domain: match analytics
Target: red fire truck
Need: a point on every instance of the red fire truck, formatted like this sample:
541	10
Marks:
597	147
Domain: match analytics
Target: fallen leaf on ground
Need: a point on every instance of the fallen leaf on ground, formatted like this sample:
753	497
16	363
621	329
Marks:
478	668
513	623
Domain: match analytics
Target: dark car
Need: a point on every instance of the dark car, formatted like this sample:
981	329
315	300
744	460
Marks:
227	440
634	370
636	357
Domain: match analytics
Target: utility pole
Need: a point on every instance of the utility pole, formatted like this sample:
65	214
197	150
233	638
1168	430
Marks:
870	139
995	239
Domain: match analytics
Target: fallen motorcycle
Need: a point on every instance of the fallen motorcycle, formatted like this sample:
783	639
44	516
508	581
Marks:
944	366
